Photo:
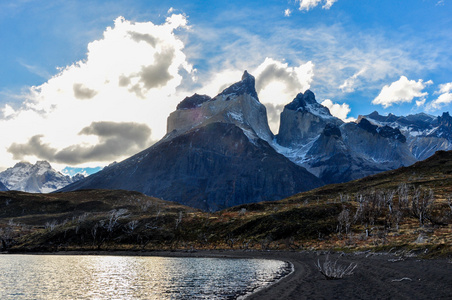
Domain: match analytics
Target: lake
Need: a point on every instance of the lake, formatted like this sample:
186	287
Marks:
133	277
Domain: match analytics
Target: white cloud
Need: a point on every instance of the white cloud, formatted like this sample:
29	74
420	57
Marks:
129	75
420	103
444	98
350	83
328	4
277	84
308	4
287	12
401	91
340	111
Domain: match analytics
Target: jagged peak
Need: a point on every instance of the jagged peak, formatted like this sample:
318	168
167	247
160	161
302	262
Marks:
193	101
302	100
306	102
366	125
23	164
247	75
246	86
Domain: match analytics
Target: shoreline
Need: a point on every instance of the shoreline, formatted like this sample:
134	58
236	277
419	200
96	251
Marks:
378	275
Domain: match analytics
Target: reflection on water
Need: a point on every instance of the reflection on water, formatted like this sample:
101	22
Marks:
125	277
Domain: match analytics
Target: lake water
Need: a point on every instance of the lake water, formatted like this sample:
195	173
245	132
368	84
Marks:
133	277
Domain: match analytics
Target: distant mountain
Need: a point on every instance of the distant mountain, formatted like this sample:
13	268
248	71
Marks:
220	152
216	154
425	134
336	151
37	178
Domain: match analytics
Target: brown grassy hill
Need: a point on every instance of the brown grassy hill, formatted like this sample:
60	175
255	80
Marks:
409	208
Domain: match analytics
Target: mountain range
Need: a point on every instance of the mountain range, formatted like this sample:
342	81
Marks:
37	178
219	152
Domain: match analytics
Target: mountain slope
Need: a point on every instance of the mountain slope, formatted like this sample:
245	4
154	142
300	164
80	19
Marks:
3	187
219	159
377	212
37	178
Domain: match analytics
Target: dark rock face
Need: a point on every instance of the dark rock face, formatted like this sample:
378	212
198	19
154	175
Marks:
3	188
211	168
391	133
444	127
245	86
303	120
301	101
332	130
367	126
193	101
385	131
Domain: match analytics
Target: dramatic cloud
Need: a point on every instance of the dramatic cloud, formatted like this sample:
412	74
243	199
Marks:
114	139
277	84
308	4
445	96
340	111
102	108
400	91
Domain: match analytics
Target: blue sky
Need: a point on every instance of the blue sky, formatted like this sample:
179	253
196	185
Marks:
72	90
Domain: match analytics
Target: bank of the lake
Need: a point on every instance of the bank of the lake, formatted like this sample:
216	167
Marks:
377	276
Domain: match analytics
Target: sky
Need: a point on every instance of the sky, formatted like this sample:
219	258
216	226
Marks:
85	83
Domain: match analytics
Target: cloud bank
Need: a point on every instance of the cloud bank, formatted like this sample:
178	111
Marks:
400	91
102	108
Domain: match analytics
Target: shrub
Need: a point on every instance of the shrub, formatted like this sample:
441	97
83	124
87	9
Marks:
333	270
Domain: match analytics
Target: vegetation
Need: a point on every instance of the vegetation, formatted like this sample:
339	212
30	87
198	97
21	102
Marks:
333	270
409	209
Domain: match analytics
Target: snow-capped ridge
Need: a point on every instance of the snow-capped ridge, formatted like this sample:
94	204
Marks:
37	178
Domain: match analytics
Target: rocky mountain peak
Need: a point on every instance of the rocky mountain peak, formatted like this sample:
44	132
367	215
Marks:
306	102
237	104
304	119
445	119
193	101
384	131
246	86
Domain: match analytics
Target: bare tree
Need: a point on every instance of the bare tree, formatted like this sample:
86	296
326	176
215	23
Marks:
421	204
345	220
51	225
115	216
179	219
131	226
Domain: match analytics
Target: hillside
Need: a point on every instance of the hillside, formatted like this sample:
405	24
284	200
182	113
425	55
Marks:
409	208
